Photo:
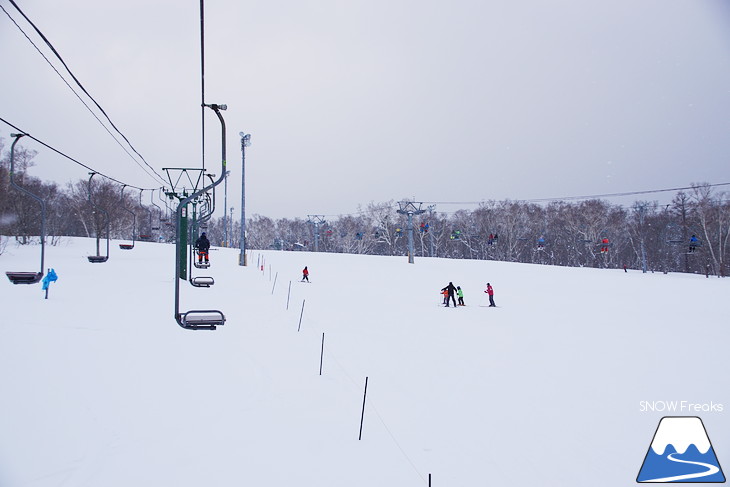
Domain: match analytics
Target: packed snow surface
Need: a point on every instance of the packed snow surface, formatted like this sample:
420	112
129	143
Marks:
101	387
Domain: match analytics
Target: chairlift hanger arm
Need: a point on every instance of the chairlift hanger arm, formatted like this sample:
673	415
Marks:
98	258
27	277
197	319
134	220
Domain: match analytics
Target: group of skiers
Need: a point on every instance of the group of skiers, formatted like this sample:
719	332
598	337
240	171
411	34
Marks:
450	291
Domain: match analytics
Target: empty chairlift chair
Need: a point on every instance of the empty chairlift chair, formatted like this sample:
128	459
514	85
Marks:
98	258
134	222
27	277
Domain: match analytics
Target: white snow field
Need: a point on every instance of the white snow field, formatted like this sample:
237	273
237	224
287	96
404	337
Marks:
101	387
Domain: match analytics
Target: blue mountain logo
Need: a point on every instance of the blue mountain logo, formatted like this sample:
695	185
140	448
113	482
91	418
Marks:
681	452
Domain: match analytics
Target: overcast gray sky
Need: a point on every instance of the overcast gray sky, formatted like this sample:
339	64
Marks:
353	101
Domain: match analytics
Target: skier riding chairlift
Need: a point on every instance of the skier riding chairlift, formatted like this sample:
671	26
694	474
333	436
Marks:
541	243
694	242
604	245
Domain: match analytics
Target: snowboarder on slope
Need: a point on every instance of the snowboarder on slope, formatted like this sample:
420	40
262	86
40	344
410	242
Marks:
203	245
490	292
305	274
450	290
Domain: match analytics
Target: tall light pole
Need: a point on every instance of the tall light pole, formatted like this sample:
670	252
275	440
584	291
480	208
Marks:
225	205
245	142
230	222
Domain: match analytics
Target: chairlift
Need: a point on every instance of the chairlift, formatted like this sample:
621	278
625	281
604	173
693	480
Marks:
604	244
166	218
694	242
540	244
207	319
202	281
199	319
134	222
199	222
96	259
27	277
159	210
148	238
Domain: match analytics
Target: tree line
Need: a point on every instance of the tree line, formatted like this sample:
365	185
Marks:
642	235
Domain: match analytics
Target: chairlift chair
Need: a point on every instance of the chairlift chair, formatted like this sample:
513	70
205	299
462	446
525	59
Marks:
166	218
159	211
146	237
96	259
24	277
202	281
199	319
693	244
134	222
207	319
540	244
27	277
201	223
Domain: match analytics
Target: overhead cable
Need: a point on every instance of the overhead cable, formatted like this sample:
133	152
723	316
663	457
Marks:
72	159
55	52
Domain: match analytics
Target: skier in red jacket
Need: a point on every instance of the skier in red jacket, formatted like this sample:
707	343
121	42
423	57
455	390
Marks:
490	292
604	245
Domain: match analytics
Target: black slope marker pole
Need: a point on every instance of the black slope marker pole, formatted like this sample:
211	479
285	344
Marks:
321	355
362	416
301	314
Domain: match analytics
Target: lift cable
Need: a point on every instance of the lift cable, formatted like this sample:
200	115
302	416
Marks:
71	158
588	197
53	49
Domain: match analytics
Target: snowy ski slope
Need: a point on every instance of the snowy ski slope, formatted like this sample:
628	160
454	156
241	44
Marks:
101	387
